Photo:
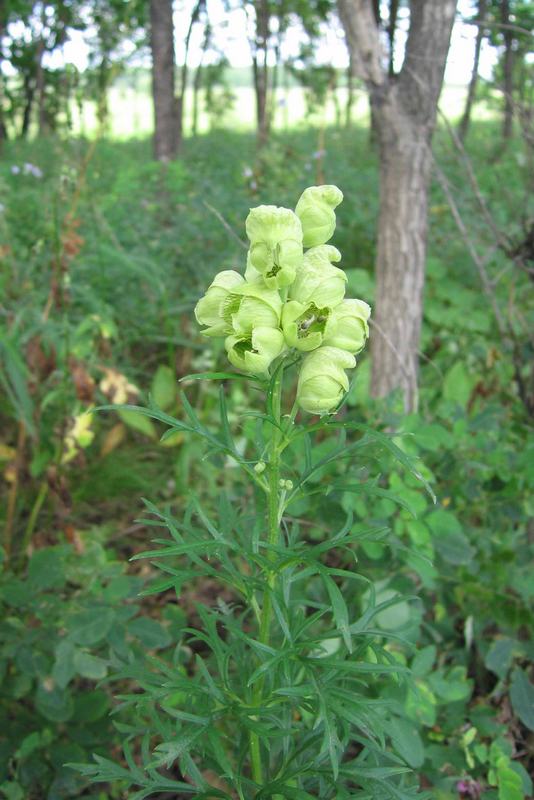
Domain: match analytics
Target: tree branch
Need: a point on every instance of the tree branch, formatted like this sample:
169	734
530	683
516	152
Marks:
363	40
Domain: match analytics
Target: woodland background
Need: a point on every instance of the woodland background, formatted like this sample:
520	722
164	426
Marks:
108	235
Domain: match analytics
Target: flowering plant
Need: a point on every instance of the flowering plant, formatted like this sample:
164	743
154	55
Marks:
276	693
291	301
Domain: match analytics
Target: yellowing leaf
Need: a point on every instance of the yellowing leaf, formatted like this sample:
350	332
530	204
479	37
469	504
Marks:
113	439
138	422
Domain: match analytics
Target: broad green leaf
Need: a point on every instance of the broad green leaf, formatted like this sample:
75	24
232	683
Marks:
151	633
500	655
407	741
138	422
458	384
448	537
423	661
54	703
163	390
90	666
522	697
46	569
90	626
421	704
64	670
90	706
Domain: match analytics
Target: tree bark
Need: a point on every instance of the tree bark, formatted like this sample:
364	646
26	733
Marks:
260	68
40	88
29	90
508	75
166	135
405	108
471	92
3	129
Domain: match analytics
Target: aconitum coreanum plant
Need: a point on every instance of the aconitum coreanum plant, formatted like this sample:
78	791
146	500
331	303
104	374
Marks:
281	691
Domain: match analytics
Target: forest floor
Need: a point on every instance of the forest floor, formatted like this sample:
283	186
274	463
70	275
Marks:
103	254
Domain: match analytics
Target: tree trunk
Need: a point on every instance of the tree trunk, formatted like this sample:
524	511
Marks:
508	82
471	93
260	69
405	158
404	108
166	135
29	90
197	81
3	129
40	88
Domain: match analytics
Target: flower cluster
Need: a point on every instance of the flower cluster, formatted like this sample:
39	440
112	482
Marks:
291	298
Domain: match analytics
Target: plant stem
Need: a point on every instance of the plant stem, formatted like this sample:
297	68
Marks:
272	539
12	495
28	533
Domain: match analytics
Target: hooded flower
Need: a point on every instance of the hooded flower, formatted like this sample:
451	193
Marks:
209	309
348	328
318	281
315	209
252	305
275	236
305	325
255	351
323	380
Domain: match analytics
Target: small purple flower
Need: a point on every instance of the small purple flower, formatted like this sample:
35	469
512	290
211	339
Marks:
469	788
319	154
247	172
15	170
253	185
31	169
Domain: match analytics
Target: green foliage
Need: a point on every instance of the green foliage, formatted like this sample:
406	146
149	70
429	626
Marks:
65	622
149	247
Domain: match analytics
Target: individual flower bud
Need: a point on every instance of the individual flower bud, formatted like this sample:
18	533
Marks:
315	209
252	305
348	326
318	281
275	236
288	486
259	467
255	351
323	380
304	325
209	309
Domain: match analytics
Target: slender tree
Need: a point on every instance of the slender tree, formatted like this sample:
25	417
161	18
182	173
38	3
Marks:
471	92
508	70
166	140
3	129
405	107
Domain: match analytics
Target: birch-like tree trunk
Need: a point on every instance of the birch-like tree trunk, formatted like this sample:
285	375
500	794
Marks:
166	137
405	109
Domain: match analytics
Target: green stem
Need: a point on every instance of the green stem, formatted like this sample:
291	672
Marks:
28	533
273	533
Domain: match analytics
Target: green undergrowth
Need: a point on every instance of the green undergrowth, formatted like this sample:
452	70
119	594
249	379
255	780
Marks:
101	262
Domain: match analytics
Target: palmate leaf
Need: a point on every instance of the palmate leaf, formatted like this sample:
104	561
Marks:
370	437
